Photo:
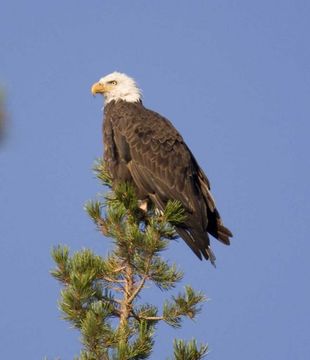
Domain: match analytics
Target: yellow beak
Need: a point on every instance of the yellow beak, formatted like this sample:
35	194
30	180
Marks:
97	88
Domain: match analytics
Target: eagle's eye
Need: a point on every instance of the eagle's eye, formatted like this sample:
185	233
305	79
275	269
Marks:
113	82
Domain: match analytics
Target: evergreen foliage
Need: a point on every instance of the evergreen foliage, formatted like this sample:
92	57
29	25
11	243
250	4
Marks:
101	296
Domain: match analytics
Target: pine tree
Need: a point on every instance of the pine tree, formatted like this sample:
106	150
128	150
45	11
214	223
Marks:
101	296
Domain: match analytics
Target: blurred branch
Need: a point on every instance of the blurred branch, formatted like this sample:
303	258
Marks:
2	115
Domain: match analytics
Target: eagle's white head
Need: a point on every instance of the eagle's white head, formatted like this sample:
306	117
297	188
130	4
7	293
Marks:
117	86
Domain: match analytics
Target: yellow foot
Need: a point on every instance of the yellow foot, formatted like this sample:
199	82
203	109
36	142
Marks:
143	205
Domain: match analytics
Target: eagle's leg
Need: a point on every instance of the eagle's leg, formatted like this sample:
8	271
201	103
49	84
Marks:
143	205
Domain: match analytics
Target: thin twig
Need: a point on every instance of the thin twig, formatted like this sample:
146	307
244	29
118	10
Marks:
102	226
106	278
119	269
152	318
137	289
142	282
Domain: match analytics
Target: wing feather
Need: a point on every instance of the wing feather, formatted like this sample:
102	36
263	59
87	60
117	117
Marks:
162	168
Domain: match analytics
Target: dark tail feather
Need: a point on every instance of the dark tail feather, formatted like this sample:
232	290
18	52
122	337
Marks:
189	241
217	229
211	256
203	241
223	234
199	244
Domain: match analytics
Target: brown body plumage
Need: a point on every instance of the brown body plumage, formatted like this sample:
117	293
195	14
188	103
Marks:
144	148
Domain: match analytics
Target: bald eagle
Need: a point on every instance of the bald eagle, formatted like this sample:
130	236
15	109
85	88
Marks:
143	147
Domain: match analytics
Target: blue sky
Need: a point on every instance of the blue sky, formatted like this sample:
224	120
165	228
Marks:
234	78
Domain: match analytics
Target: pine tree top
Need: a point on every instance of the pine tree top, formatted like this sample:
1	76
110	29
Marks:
102	296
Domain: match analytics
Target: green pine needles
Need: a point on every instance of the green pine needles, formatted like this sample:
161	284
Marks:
102	296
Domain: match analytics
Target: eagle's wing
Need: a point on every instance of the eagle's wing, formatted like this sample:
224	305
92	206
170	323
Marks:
163	168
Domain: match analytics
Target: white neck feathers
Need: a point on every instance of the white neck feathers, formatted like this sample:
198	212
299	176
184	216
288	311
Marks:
129	97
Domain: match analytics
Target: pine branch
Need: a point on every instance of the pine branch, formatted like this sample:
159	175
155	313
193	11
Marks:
187	304
61	257
101	170
122	327
189	351
140	285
